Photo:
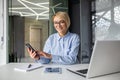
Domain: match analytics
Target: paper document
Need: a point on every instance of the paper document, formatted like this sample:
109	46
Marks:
28	67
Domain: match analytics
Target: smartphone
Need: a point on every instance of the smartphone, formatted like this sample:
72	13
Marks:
53	70
30	47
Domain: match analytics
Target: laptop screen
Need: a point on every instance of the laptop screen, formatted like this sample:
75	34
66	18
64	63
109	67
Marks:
105	58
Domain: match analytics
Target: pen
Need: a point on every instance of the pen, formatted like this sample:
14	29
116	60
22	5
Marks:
29	65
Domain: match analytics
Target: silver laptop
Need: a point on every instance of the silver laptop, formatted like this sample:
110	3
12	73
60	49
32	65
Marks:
105	60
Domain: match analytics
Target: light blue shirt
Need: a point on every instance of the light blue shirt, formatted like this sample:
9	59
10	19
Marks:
64	50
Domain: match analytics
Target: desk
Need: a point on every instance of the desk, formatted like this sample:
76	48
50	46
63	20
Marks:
7	72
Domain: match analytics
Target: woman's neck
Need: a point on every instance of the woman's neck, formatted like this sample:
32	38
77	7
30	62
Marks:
63	34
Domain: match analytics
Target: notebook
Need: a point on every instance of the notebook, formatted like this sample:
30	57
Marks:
28	67
105	60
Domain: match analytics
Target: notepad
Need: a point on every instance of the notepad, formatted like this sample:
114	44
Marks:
25	68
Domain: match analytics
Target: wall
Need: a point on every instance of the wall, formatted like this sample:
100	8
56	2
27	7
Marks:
107	20
80	14
3	32
43	24
85	30
16	37
74	13
55	6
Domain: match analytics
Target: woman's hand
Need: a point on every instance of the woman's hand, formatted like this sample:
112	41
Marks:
34	54
46	55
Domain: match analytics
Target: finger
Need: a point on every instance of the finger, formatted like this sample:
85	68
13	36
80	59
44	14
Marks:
30	52
28	49
33	55
42	54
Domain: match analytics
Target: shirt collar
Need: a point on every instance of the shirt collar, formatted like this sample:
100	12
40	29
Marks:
58	36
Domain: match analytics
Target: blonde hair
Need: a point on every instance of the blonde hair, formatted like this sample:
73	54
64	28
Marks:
64	16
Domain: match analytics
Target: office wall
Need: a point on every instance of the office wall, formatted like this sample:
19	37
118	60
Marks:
74	13
80	14
41	24
55	6
16	39
3	32
107	20
85	30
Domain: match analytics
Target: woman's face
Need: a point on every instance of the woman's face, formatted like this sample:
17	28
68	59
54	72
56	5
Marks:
60	25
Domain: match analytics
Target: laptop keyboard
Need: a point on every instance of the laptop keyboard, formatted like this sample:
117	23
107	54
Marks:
83	71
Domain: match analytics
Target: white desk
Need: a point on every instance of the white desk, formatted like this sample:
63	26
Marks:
7	72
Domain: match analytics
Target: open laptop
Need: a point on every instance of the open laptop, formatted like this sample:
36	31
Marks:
105	60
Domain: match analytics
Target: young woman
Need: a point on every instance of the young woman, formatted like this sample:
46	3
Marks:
61	47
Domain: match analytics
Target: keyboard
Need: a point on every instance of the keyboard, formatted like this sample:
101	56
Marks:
83	71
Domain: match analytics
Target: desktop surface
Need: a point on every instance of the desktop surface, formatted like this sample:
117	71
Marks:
7	72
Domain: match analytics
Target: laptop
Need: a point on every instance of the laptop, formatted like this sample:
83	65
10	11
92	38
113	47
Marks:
105	60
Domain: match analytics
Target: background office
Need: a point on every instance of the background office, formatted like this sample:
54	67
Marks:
91	19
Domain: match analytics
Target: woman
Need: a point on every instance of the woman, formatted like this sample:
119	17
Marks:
61	47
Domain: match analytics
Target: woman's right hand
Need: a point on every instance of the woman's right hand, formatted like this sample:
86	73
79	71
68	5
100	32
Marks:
34	54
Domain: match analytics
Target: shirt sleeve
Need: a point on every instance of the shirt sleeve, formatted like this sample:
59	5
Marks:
70	56
46	49
43	60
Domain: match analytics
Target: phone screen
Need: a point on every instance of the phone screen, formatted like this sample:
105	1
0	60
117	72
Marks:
53	70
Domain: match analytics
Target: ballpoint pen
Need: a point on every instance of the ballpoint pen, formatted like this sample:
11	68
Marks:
29	65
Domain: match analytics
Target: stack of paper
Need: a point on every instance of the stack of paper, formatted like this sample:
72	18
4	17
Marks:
26	68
